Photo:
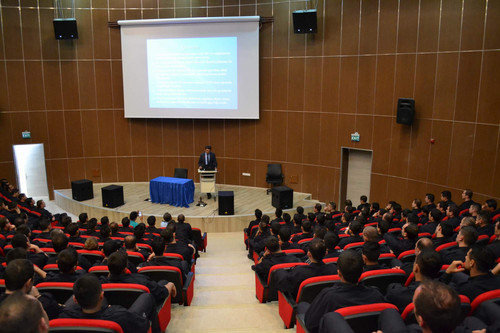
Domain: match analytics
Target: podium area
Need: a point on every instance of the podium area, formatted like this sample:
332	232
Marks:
246	200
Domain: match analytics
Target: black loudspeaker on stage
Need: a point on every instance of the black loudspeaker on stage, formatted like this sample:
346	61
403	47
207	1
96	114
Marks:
82	189
406	111
65	28
305	21
112	196
282	197
226	202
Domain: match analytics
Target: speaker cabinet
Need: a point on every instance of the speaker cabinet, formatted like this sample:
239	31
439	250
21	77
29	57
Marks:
112	196
82	189
65	28
282	197
226	202
406	111
305	21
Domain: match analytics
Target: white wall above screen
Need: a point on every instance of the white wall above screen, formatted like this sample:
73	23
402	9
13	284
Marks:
191	68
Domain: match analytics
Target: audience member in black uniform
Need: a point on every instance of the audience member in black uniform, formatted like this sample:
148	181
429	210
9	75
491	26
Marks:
284	239
126	225
45	226
105	233
131	246
407	242
483	225
74	233
158	259
258	216
140	232
92	228
331	241
344	222
37	257
478	262
427	266
434	219
288	220
67	262
186	251
60	243
491	206
300	212
4	211
363	202
272	256
466	237
297	224
19	277
278	213
429	201
317	210
452	212
87	303
353	231
467	199
151	228
115	230
495	245
306	231
83	219
370	253
474	209
347	293
289	281
108	249
183	230
416	206
257	241
383	226
40	208
446	197
19	307
444	234
319	232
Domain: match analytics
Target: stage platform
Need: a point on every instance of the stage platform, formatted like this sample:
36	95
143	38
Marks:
246	200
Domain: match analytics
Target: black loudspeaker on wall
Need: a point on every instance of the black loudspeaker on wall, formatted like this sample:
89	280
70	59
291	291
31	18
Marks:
226	202
112	196
406	111
305	21
82	189
65	28
282	197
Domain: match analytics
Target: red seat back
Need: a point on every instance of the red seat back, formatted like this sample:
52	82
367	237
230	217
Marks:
381	278
65	325
123	294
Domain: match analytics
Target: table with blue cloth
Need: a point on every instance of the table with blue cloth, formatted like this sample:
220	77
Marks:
173	191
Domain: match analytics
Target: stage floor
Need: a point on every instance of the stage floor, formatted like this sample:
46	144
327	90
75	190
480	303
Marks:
246	200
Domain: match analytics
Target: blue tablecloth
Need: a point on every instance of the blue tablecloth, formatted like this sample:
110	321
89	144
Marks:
173	191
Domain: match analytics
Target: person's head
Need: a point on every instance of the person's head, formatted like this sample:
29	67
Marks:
19	275
306	226
435	215
286	217
104	220
319	232
23	313
275	228
208	149
479	259
44	224
284	235
437	307
167	217
125	222
105	231
452	210
375	206
59	241
371	252
317	249
483	218
429	198
109	247
474	209
278	212
467	236
130	242
346	217
92	224
428	264
114	227
446	228
117	263
363	199
490	205
467	221
87	292
181	218
331	240
416	203
442	206
133	215
350	266
297	220
83	217
446	195
19	240
320	219
40	204
67	260
317	207
311	217
151	221
423	243
168	235
410	231
300	210
72	229
467	194
383	226
23	229
91	244
258	214
17	253
370	234
139	230
272	244
355	228
265	218
158	246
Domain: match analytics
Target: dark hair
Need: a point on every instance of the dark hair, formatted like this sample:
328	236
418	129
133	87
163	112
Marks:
376	206
133	215
306	225
278	212
104	220
125	221
320	219
483	257
318	207
430	196
331	240
446	228
258	214
468	193
265	219
443	205
429	262
388	217
355	227
284	234
114	227
438	305
363	198
350	264
158	246
275	227
181	218
21	313
297	219
117	262
418	202
371	250
492	203
469	234
446	194
272	244
317	248
167	217
130	242
139	230
19	240
23	229
286	217
411	231
105	231
66	221
484	216
43	223
300	209
311	217
67	259
72	229
151	221
87	291
17	273
454	209
92	224
412	218
59	242
17	253
168	234
347	216
109	247
476	206
436	214
384	226
319	232
83	217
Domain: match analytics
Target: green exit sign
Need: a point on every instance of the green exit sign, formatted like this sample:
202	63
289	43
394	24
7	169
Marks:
26	135
355	137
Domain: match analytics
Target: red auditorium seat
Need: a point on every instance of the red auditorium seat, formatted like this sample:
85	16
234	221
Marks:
446	246
493	295
185	289
354	246
305	241
64	325
295	252
483	240
200	239
92	256
407	256
54	268
381	278
266	291
61	291
135	258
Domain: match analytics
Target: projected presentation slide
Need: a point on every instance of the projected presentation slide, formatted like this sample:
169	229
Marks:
193	73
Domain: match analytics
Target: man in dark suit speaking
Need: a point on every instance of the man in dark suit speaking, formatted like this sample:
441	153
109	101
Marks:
207	161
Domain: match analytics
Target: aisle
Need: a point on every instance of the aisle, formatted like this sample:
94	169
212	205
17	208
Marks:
224	293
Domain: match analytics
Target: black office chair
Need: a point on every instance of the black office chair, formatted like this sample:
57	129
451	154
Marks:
274	176
180	173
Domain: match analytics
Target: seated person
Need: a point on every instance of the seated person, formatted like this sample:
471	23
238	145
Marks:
35	254
131	246
45	226
126	225
139	233
483	225
288	220
289	281
306	230
478	262
60	243
151	228
167	219
108	249
23	313
284	240
452	213
258	216
444	234
466	237
495	245
272	256
347	293
115	230
319	232
331	241
91	244
354	229
297	224
370	253
67	263
83	219
434	219
157	258
409	238
278	213
91	228
19	278
87	303
117	263
105	233
427	266
183	230
74	233
257	242
370	234
186	251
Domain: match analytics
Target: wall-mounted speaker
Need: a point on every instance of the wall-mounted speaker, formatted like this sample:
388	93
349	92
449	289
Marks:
406	111
65	28
305	21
